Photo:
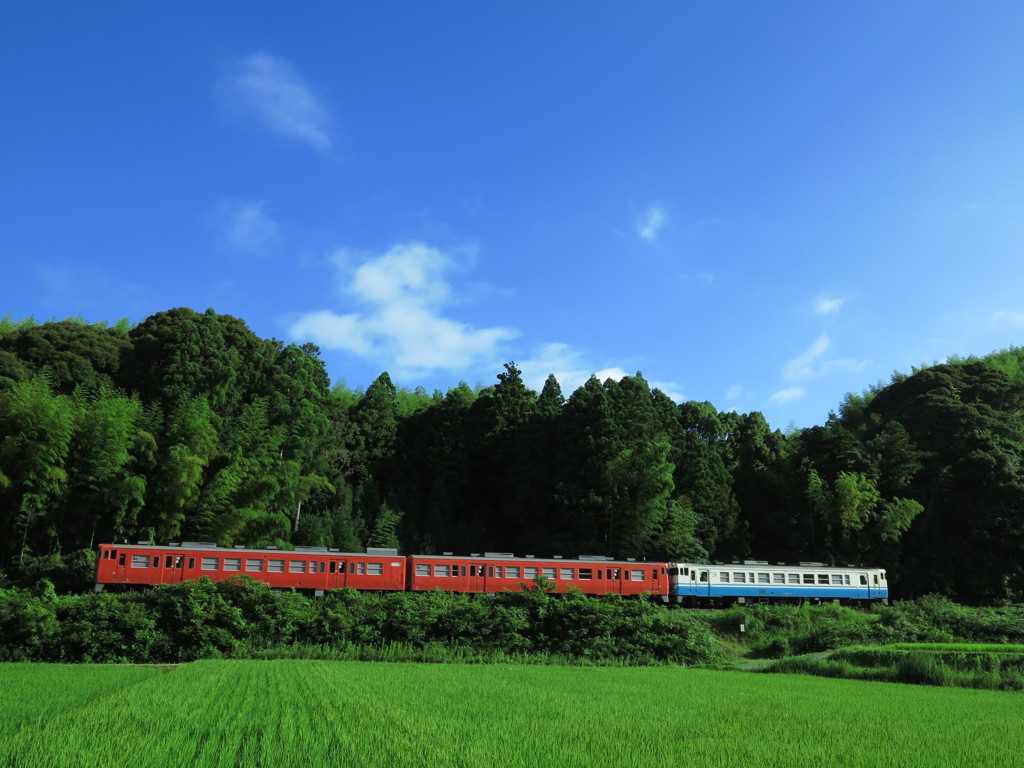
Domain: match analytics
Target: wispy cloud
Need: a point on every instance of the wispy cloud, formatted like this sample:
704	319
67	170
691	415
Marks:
734	392
652	222
247	226
401	324
270	88
803	366
1011	318
826	306
812	363
788	395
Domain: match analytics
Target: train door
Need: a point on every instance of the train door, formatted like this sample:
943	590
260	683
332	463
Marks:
703	582
120	567
336	574
477	578
174	568
615	580
874	587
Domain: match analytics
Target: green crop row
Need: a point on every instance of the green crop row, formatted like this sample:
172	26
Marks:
217	714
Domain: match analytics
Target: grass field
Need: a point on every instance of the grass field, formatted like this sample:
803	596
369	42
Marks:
278	714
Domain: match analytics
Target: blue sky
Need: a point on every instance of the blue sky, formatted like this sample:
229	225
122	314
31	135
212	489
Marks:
763	205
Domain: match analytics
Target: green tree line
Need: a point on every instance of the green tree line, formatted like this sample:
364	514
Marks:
188	426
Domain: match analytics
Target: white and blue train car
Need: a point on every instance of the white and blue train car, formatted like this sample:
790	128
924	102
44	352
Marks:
756	581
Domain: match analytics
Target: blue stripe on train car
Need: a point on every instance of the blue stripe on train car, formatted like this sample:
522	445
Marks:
737	590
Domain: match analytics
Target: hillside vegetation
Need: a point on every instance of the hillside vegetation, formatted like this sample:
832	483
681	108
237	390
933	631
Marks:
188	426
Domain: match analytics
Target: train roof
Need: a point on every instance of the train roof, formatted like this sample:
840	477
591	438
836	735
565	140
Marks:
203	546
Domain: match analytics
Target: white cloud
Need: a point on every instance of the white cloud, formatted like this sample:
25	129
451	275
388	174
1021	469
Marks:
671	389
1010	318
788	395
402	294
825	306
809	365
272	89
802	367
734	392
571	368
654	220
246	224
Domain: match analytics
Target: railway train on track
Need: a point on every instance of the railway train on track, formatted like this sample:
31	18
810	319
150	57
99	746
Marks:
318	569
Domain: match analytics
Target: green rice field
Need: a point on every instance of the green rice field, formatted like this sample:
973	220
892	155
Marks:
277	714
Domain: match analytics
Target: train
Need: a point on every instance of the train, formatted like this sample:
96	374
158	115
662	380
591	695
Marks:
319	569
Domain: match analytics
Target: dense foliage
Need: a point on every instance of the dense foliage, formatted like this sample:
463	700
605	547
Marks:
189	426
245	619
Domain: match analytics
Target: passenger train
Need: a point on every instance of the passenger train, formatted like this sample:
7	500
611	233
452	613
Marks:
318	569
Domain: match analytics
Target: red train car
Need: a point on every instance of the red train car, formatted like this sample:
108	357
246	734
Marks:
495	572
312	568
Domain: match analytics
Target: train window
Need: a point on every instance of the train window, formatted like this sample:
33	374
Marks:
232	563
863	580
529	572
637	575
627	576
440	570
837	578
876	579
334	566
549	573
740	578
323	566
763	578
808	578
673	571
210	563
140	561
725	577
882	575
566	573
704	576
179	562
778	578
362	569
512	571
490	571
846	579
156	564
614	573
586	574
422	569
120	559
352	567
499	570
170	560
600	574
191	563
296	566
823	578
254	566
472	570
794	578
375	569
275	566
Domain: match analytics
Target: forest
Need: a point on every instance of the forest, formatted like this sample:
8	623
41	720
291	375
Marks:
189	427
